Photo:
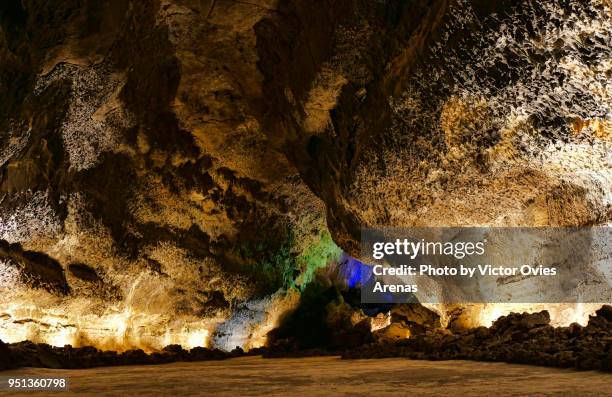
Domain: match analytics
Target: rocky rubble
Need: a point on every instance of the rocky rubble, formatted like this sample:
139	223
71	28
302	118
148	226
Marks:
526	338
28	354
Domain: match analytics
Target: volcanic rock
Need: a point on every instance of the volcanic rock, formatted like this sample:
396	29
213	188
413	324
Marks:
28	354
605	312
160	160
517	338
7	360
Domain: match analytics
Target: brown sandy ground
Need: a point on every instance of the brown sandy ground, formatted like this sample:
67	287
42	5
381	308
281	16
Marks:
318	376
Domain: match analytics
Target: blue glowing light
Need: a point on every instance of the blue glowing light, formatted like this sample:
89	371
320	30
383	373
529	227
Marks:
354	272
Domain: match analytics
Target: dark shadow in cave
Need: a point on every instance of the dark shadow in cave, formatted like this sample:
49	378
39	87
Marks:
322	319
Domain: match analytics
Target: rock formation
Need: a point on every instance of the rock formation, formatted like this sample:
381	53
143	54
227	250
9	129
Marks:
524	338
142	192
168	166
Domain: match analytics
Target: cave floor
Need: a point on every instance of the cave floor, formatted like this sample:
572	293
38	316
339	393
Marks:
327	376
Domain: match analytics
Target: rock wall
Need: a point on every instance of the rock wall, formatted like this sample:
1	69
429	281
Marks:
469	113
165	164
142	195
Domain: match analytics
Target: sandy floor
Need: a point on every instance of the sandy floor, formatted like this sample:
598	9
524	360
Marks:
327	376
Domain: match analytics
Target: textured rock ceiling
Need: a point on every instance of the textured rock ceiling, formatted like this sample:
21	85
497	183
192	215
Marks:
164	162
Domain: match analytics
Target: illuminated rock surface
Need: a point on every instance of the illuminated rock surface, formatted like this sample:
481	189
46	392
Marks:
141	193
526	338
170	168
